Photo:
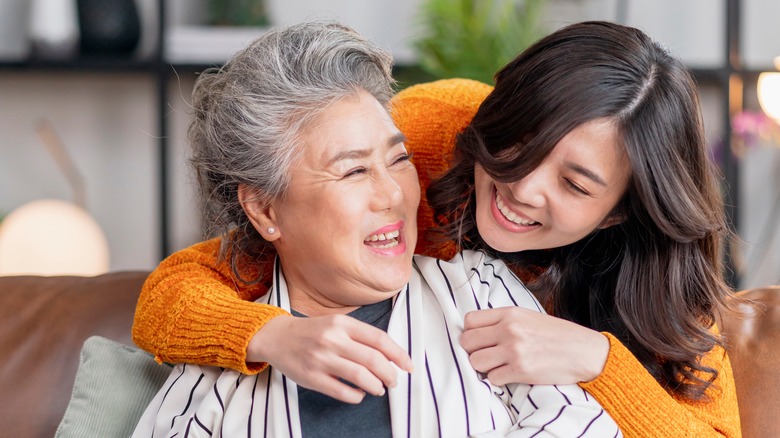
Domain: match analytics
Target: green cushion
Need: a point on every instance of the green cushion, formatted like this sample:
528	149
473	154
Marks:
114	384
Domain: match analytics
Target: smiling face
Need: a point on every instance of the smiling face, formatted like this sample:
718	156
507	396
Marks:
346	228
570	194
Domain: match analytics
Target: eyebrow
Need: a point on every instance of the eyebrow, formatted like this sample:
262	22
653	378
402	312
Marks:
586	173
362	153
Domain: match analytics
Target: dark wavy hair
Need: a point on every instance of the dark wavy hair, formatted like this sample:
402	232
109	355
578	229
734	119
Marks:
655	281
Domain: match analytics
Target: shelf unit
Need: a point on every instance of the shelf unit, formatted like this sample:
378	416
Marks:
156	66
729	78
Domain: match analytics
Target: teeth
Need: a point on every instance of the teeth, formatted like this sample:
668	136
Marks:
509	214
389	245
384	236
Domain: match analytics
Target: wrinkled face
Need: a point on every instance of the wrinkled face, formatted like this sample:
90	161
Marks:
346	228
569	195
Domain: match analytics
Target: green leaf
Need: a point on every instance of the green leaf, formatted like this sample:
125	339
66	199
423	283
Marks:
475	38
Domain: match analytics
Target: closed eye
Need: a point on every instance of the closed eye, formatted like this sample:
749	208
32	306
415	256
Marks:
355	171
576	188
403	158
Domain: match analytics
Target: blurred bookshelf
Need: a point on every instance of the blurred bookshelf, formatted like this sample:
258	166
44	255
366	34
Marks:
191	49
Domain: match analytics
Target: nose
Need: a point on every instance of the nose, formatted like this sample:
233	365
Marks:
388	191
531	190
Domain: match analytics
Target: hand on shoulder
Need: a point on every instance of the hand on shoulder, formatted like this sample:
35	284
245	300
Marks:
513	344
317	352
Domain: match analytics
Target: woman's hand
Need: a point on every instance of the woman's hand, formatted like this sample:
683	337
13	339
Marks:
513	344
316	352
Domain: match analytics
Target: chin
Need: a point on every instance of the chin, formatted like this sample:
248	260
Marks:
395	286
401	278
492	235
501	246
503	242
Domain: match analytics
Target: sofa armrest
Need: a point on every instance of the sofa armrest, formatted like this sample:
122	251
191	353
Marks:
753	344
44	322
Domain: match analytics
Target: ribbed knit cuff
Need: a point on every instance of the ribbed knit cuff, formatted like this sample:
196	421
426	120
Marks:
643	408
218	333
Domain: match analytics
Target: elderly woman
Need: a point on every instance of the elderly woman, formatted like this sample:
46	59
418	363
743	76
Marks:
293	145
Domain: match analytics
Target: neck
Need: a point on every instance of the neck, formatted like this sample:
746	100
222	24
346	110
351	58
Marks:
315	293
309	305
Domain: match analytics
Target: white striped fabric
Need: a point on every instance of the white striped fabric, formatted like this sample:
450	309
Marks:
443	397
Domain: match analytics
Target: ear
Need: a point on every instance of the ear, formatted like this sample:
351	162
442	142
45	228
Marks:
259	211
615	218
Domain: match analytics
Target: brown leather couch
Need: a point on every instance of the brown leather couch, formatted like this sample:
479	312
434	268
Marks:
754	348
43	323
45	320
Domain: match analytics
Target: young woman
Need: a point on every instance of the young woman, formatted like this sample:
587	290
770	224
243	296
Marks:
586	169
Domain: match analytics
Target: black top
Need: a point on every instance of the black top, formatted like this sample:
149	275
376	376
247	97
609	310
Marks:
323	416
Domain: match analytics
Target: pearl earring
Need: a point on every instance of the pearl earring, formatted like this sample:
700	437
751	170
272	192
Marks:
271	230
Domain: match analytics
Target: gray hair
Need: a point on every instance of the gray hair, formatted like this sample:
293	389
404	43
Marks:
249	115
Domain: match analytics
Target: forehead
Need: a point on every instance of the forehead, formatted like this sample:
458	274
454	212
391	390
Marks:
596	146
354	122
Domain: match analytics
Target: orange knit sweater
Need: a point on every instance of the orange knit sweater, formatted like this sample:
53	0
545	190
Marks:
191	309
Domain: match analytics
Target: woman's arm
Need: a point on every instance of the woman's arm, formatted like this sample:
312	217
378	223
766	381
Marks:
643	408
431	115
540	409
190	310
525	346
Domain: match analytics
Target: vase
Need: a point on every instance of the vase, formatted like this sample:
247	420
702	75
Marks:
54	31
108	27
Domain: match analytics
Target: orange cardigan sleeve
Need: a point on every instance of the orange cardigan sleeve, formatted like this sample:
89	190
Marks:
192	310
431	115
642	408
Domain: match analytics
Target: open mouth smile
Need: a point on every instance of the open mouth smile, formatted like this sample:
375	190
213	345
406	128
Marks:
510	215
387	241
510	219
383	240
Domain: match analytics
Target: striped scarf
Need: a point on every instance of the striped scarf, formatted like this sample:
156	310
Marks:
442	397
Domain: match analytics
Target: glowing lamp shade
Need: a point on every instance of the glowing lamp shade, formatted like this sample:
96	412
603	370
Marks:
769	92
51	237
